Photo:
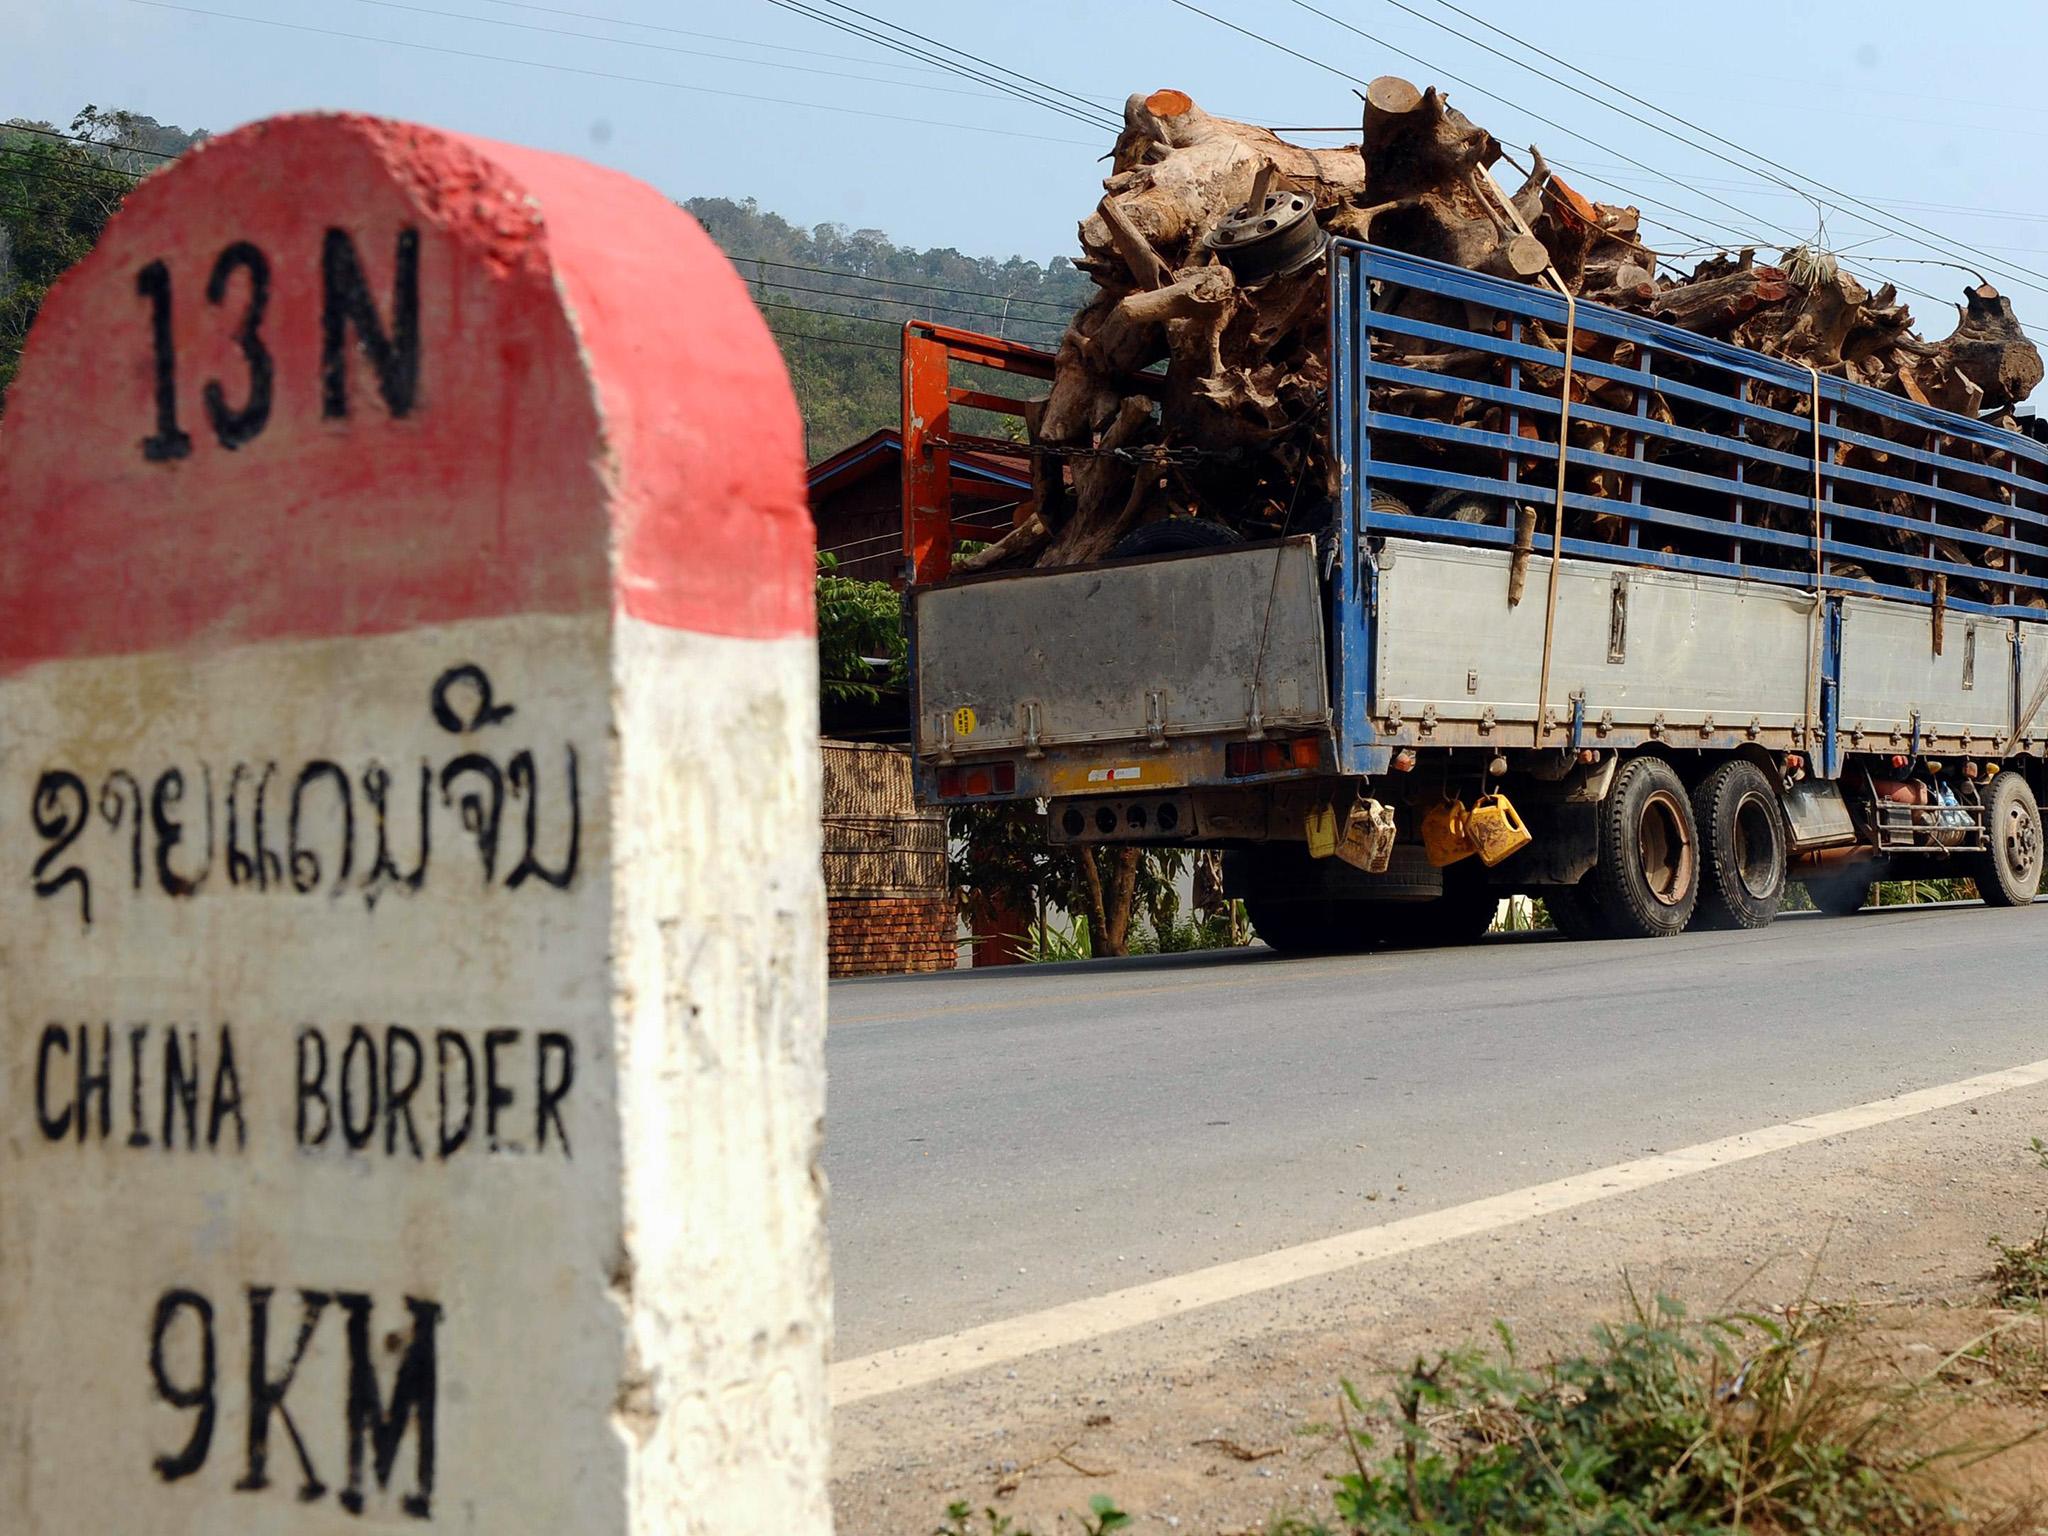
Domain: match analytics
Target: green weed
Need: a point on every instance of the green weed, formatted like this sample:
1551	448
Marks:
1102	1518
2019	1274
1665	1424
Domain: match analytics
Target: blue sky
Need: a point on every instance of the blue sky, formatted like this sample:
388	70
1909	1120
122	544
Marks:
1931	112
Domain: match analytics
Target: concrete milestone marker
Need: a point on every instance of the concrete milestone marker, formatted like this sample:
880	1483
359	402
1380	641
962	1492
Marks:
410	936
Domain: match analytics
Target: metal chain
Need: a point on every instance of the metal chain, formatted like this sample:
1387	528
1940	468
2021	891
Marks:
1144	453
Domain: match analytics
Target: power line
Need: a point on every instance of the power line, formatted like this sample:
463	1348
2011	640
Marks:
713	37
1470	85
1083	101
38	173
1094	117
836	341
911	304
830	314
897	282
1791	235
1815	202
605	74
1939	242
79	138
897	320
1345	74
694	53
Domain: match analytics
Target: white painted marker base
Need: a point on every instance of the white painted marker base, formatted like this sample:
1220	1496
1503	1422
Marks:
573	1128
720	1006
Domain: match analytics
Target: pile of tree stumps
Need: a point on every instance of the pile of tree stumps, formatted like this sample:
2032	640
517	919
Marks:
1194	383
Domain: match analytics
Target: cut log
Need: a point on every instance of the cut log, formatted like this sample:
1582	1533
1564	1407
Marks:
1414	141
1991	351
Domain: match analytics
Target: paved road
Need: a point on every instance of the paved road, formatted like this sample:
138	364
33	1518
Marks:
1000	1141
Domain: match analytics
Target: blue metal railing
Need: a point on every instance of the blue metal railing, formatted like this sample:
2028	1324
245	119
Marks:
1729	493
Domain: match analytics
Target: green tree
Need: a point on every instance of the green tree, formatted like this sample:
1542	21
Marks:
861	650
57	191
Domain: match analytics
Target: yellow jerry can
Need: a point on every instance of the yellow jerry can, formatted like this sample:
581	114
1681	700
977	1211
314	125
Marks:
1322	831
1447	833
1496	830
1368	840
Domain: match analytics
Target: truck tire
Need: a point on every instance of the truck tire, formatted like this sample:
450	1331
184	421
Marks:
1845	895
1172	536
1742	844
1465	914
1311	927
1647	880
1462	915
2009	872
1354	927
1574	910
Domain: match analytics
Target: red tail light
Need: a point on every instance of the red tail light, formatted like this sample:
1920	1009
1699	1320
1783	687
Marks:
973	781
1243	759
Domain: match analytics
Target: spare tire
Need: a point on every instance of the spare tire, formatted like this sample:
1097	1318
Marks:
1173	536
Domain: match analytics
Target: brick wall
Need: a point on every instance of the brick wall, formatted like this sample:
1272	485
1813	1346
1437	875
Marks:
890	935
889	906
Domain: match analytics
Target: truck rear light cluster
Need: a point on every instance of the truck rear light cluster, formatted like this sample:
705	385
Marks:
1242	759
961	782
1089	820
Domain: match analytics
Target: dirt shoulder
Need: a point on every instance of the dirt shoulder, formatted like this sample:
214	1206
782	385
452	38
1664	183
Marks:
1895	1219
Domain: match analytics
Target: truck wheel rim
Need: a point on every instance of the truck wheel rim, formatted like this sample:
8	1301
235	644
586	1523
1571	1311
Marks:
1756	846
1664	852
2022	842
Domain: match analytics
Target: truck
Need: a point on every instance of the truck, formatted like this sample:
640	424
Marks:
1653	674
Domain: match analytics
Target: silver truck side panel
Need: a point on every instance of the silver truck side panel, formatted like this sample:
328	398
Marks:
1640	643
2033	672
1890	673
1123	652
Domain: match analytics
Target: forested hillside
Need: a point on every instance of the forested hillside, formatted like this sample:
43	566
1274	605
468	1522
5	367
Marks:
837	300
58	187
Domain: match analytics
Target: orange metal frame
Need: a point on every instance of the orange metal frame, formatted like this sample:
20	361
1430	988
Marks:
929	395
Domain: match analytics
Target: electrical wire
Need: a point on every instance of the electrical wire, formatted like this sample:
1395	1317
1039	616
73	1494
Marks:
44	175
712	37
1043	85
1548	122
1094	118
835	341
782	286
79	138
40	173
897	282
891	320
693	53
1940	242
605	74
1792	236
1324	64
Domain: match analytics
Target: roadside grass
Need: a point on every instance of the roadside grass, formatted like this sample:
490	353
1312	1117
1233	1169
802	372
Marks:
1920	1418
1748	1421
962	1519
1815	1419
2019	1274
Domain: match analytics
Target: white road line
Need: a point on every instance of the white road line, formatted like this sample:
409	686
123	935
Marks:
974	1349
